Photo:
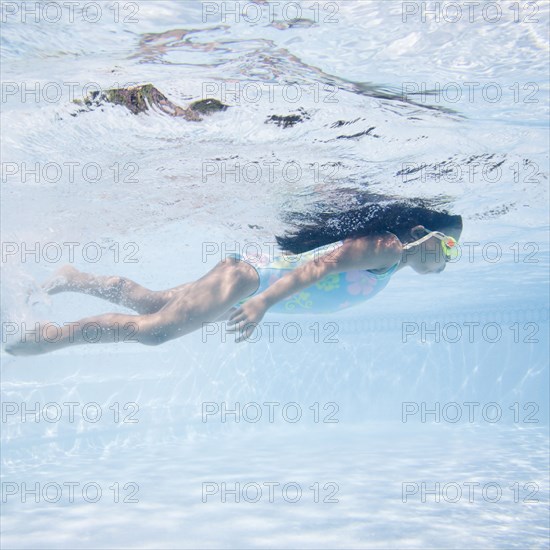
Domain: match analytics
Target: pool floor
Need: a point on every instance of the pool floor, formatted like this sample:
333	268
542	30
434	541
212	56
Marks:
378	485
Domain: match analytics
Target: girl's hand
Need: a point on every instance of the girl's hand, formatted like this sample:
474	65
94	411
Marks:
243	321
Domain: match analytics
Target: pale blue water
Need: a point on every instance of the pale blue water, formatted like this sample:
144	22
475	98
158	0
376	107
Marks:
377	370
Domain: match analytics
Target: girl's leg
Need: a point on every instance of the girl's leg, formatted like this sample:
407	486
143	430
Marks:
115	289
197	303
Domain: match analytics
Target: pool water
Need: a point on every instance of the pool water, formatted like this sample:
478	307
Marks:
417	420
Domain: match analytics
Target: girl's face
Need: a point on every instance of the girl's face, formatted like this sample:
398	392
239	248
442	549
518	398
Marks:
428	257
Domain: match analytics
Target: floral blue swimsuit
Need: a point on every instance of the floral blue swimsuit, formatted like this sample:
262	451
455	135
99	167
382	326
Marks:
334	292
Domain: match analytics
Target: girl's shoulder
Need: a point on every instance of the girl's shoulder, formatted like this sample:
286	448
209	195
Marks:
385	243
377	253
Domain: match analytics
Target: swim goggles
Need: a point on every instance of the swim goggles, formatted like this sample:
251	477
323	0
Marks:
448	244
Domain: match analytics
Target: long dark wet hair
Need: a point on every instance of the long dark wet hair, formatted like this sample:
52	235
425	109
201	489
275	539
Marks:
373	215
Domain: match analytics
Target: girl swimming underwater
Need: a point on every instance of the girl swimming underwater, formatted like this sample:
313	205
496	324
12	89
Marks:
344	259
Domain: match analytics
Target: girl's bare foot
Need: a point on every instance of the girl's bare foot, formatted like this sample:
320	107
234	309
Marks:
61	280
24	347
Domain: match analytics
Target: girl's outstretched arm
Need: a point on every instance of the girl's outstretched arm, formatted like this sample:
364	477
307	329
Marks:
375	252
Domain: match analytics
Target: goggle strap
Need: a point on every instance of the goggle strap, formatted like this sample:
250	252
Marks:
431	234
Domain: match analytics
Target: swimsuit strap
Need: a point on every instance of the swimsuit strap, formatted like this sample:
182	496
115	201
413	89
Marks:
390	271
